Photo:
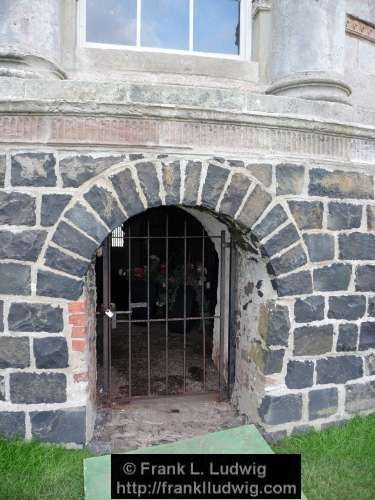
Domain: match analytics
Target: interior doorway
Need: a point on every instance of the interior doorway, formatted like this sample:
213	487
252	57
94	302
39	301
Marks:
161	327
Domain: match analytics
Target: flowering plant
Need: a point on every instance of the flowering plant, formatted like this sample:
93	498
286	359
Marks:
176	279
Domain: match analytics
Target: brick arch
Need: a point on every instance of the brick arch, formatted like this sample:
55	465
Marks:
131	187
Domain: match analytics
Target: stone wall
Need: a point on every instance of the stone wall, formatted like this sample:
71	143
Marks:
308	343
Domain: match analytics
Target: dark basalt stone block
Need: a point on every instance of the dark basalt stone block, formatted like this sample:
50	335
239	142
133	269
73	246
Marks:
52	207
36	388
31	317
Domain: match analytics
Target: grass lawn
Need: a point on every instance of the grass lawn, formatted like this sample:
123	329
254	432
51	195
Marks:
338	463
33	471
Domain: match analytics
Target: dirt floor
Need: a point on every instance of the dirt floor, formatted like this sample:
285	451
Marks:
161	420
176	410
149	377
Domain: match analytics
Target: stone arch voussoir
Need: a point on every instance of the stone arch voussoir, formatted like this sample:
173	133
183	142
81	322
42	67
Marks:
131	187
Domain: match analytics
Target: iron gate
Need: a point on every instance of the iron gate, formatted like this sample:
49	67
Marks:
126	318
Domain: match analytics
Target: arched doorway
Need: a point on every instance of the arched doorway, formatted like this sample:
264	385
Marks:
160	295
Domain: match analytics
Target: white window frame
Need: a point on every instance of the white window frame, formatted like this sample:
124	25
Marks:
245	35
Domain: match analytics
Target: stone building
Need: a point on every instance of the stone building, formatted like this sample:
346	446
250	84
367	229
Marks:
257	119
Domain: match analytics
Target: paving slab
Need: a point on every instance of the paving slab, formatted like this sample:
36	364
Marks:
245	439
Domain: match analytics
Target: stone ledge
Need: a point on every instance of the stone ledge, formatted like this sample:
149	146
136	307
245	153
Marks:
118	98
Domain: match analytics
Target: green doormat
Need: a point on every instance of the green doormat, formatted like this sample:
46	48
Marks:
243	440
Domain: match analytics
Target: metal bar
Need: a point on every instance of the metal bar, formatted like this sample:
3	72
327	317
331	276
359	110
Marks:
222	316
232	318
106	320
130	321
171	237
166	299
202	312
148	312
185	271
163	320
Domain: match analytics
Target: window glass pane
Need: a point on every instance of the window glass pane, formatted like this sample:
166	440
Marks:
216	26
111	21
165	24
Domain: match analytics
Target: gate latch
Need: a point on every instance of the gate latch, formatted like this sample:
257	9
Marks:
108	313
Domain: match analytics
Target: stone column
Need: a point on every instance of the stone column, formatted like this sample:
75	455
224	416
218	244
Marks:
308	49
30	39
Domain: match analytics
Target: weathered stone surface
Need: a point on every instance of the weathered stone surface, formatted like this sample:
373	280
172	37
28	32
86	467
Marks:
85	221
283	239
275	217
347	339
2	170
12	424
171	181
307	214
365	279
63	262
193	172
17	209
313	340
183	97
140	156
281	409
360	397
32	317
341	184
213	185
357	246
289	179
2	389
294	284
1	316
14	352
262	172
68	237
33	169
77	169
344	216
370	364
274	324
52	207
21	245
371	307
299	374
149	182
347	307
254	206
332	278
51	352
289	261
323	403
367	336
274	437
301	429
272	361
309	309
36	388
334	423
371	217
15	279
54	285
106	206
338	370
126	190
234	194
320	246
60	426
